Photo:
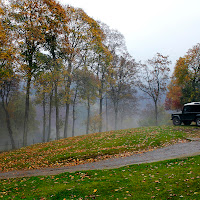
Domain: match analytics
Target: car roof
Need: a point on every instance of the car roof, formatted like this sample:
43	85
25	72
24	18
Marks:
192	103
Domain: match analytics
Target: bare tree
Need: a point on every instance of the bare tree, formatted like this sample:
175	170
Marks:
153	78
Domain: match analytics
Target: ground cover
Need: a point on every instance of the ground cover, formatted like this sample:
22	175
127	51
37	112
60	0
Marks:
173	179
93	147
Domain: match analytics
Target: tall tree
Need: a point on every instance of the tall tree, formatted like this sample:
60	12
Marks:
123	76
103	72
153	78
24	16
9	81
57	21
115	42
185	80
85	38
34	20
191	89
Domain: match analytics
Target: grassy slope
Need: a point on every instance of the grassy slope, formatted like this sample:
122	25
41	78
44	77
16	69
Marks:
88	148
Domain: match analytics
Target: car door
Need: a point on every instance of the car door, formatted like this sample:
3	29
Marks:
195	110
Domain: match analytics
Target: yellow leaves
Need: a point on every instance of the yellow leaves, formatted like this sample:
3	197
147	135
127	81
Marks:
181	71
186	72
95	190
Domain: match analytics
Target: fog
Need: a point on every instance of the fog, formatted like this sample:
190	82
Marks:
141	113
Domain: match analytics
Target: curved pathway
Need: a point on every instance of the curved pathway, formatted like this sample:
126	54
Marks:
174	151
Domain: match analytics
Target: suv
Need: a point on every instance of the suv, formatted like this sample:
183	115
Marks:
189	114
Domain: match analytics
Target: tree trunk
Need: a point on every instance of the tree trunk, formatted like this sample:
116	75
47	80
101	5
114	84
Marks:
66	120
57	113
101	102
106	113
10	132
26	116
68	99
122	119
156	112
116	114
74	117
50	112
88	117
44	117
100	111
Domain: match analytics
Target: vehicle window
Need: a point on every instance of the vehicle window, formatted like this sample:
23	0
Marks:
196	108
193	109
187	109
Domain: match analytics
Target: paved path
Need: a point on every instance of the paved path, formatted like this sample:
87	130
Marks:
175	151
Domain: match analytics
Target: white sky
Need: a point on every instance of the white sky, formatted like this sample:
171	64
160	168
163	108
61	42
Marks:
169	27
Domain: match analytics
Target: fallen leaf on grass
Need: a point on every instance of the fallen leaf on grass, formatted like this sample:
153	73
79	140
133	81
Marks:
95	190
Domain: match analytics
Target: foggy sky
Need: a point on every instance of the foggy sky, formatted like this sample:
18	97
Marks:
170	27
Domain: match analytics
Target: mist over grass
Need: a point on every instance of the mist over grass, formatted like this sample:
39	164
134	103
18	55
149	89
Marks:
135	117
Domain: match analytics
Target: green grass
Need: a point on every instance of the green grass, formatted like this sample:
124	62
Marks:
97	146
173	179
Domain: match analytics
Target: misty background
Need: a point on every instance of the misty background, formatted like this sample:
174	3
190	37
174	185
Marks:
140	112
72	74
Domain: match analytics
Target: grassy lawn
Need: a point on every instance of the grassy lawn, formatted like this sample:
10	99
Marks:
92	147
174	179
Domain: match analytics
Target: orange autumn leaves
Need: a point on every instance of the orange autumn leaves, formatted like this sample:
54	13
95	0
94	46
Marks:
184	86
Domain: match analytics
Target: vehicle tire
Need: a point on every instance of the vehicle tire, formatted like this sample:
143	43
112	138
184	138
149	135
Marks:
187	123
176	121
198	122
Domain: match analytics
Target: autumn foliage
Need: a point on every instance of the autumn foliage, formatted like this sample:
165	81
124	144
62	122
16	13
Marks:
44	45
185	82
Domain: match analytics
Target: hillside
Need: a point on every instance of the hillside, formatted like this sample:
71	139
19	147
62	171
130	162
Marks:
93	147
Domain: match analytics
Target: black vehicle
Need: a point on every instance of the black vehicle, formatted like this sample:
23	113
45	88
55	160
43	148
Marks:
189	114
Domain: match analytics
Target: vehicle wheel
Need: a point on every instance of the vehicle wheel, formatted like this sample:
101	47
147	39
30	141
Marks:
176	121
187	123
198	121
